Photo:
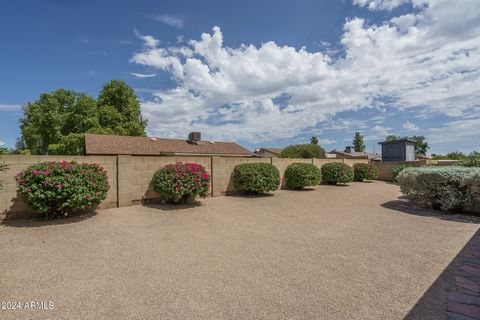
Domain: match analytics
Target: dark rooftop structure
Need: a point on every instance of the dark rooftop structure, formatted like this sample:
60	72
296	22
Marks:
97	144
348	153
398	150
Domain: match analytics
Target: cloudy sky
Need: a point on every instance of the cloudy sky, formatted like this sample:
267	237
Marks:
262	74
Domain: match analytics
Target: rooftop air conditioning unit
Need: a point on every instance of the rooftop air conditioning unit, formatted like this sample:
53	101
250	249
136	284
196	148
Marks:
194	136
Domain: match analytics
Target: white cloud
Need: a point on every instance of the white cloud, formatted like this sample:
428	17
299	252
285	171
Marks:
428	61
172	21
141	75
326	141
148	41
459	130
380	4
410	127
10	107
2	143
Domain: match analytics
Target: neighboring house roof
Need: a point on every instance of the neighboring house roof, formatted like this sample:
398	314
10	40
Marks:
97	144
272	150
357	155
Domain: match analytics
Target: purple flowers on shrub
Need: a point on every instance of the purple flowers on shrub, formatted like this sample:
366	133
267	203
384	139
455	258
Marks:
177	182
59	188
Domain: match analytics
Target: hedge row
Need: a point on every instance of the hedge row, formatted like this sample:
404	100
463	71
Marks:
442	188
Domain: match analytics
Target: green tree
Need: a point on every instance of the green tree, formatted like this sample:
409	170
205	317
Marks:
358	143
307	151
57	121
391	138
120	109
314	140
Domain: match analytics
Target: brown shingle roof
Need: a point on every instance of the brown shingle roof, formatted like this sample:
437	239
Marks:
97	144
273	150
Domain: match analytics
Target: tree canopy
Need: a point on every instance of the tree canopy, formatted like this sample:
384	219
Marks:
57	121
314	140
358	143
307	150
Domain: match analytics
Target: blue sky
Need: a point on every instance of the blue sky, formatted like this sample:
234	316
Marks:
262	73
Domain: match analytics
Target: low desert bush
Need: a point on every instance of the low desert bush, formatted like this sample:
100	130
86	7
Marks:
59	188
443	188
301	175
364	171
256	177
179	181
397	169
336	172
3	167
306	151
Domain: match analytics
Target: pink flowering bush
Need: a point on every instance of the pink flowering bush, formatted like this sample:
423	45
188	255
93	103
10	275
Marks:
59	188
177	182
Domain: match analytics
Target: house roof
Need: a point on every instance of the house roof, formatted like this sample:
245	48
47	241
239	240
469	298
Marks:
357	155
97	144
273	150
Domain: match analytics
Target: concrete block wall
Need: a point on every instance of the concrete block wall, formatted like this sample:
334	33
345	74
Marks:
130	176
385	168
11	203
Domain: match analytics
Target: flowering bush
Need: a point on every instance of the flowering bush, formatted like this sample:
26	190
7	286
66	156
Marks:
301	175
364	171
336	172
256	178
177	182
444	188
59	188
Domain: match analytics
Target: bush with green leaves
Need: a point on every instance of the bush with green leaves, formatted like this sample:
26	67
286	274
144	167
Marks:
306	151
472	160
301	175
180	181
397	169
59	188
256	178
3	167
443	188
364	171
336	172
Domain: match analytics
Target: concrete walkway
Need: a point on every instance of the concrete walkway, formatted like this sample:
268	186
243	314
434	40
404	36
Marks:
354	252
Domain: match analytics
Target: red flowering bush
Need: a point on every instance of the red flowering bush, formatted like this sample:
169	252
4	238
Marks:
177	182
59	188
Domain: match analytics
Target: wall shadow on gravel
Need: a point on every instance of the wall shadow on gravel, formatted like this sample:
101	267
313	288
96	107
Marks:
405	206
432	305
41	222
172	207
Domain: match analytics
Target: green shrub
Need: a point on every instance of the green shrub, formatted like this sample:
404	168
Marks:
397	169
364	171
59	188
336	172
472	160
306	151
301	175
444	188
3	167
256	177
180	181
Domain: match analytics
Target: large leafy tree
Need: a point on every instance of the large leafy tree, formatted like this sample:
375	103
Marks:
307	150
358	143
314	140
57	121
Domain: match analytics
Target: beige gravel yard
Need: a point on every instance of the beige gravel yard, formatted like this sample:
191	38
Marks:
355	252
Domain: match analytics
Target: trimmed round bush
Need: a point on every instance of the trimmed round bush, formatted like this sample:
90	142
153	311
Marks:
59	188
364	171
256	178
179	181
397	169
336	172
301	175
442	188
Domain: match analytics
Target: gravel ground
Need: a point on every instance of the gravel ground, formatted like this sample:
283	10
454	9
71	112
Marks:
355	252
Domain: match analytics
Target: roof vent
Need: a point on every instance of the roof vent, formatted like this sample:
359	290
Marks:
348	149
194	136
